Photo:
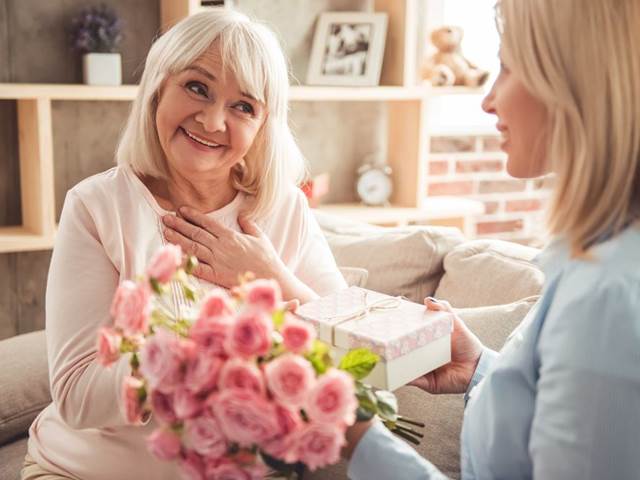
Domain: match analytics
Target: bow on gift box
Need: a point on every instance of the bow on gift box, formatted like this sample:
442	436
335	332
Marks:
382	304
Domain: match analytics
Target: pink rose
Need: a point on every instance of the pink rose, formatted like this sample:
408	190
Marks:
202	372
332	399
317	445
164	263
244	417
264	294
192	466
239	374
250	334
131	307
212	333
108	346
289	422
215	304
186	404
164	444
162	361
162	406
298	336
232	471
203	435
290	378
133	393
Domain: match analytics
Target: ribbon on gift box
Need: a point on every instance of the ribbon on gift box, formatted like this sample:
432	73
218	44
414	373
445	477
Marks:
382	304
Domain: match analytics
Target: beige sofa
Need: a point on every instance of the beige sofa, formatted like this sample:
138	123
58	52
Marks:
492	283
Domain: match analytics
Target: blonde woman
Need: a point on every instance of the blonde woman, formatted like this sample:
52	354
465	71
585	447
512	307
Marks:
562	399
206	161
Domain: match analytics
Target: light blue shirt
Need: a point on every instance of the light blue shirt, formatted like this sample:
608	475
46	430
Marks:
562	400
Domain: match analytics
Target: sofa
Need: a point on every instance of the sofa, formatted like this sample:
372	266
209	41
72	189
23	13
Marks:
491	283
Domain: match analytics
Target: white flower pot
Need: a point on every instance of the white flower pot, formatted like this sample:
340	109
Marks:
102	69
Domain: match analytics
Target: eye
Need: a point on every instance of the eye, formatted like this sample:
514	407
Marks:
198	88
244	107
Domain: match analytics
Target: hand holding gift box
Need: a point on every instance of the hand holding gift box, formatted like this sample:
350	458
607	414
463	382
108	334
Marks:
409	339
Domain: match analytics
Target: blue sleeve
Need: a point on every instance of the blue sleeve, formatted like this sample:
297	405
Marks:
587	412
380	455
487	359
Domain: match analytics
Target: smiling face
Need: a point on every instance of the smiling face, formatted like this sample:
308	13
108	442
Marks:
206	124
522	120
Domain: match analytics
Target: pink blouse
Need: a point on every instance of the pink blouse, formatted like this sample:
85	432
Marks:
109	228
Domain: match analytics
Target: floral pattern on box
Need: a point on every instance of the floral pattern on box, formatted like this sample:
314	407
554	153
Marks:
389	326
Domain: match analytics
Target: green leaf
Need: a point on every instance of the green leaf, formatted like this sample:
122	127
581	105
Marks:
278	318
189	292
192	263
359	362
319	357
387	405
156	286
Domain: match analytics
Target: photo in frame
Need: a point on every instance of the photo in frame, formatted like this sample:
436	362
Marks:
348	48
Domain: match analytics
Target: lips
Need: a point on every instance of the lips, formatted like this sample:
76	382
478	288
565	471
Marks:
199	140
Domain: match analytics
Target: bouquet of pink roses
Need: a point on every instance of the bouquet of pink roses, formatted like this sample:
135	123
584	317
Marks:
235	383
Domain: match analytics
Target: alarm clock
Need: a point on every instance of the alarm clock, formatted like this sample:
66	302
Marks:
374	185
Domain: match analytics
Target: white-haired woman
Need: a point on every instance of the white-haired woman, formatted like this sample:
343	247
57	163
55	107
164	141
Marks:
206	161
561	401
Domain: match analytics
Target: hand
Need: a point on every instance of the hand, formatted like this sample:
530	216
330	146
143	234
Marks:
466	348
353	435
223	254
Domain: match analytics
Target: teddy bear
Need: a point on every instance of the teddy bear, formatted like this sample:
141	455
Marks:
448	66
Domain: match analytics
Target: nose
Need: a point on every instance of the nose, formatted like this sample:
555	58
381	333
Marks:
488	101
213	117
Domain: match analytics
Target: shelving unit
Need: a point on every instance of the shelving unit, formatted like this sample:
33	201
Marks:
407	134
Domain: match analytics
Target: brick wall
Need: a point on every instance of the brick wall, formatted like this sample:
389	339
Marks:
474	167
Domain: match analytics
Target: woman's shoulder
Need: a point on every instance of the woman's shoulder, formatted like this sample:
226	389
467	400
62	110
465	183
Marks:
596	299
108	182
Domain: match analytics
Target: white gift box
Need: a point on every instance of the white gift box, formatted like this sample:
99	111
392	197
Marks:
409	339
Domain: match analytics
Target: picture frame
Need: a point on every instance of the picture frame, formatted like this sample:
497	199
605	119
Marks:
348	48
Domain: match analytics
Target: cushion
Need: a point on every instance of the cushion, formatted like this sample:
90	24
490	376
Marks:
12	459
354	276
400	261
24	379
489	272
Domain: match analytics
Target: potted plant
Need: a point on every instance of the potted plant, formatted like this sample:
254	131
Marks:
97	32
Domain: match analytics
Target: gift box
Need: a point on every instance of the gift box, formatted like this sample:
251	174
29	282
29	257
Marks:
409	339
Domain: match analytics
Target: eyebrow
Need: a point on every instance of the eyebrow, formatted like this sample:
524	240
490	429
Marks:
213	78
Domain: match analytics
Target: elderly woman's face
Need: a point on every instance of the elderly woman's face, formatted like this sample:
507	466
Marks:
522	119
205	123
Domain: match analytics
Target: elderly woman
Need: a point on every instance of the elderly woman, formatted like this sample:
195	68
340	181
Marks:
206	161
561	400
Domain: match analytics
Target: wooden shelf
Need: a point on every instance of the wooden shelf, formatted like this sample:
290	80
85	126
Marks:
407	133
52	91
19	239
449	211
299	93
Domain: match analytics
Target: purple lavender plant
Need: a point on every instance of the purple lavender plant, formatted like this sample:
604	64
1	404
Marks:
96	30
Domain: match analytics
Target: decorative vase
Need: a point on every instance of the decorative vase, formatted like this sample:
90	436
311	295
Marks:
102	69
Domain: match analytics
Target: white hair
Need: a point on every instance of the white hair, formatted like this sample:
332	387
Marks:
251	52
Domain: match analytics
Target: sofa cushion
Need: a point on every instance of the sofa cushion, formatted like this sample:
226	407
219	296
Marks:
25	383
400	261
489	272
12	458
354	276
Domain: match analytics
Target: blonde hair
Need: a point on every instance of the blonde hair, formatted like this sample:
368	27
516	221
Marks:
251	52
581	58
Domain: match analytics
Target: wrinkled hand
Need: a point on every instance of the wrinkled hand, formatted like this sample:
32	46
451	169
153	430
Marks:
466	348
223	254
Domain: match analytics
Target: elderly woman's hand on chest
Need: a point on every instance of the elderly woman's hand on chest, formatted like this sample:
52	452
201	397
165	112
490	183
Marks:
223	254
